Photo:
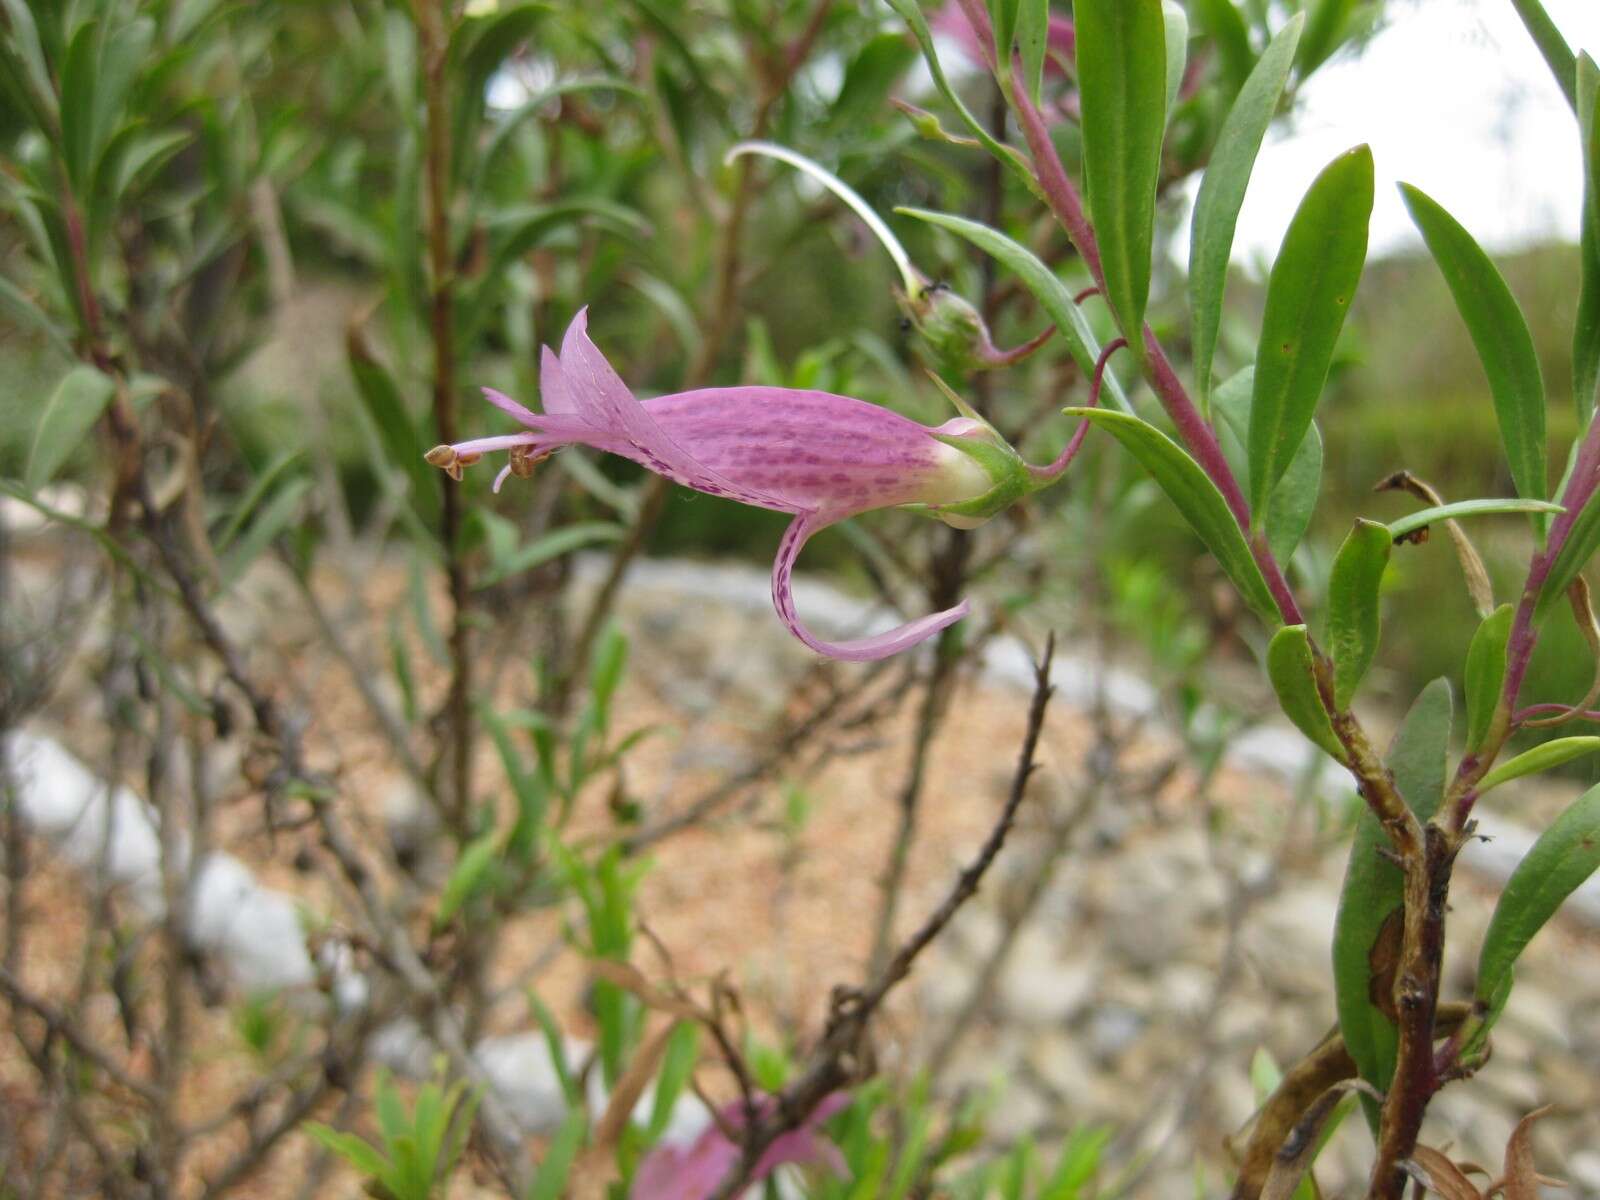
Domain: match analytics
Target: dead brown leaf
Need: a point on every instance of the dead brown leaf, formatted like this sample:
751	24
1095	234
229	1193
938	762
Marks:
1522	1179
1434	1171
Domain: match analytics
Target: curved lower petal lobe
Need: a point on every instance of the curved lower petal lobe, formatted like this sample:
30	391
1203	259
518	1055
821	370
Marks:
601	398
862	649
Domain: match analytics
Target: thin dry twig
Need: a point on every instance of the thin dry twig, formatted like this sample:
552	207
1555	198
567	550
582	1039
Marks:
839	1057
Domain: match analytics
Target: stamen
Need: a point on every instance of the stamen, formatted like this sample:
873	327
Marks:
466	460
525	458
440	456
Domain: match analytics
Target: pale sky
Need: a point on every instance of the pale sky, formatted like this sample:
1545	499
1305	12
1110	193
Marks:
1454	98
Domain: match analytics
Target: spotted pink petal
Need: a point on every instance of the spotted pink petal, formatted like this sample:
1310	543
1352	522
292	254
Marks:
867	649
811	450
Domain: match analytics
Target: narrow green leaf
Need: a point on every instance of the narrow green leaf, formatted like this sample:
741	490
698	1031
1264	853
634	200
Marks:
272	520
69	415
460	1129
358	1153
22	42
515	231
1078	1165
1586	331
1566	854
582	471
1231	36
1196	498
531	794
1373	887
429	1119
468	878
1176	22
143	157
1294	500
1222	189
404	677
422	613
909	277
677	1064
186	17
1325	30
173	679
1500	334
1033	43
1003	18
551	546
869	78
1293	676
605	671
910	11
506	127
257	492
1353	619
390	1113
478	46
1122	59
124	53
1552	46
398	432
1485	674
25	313
1053	295
669	302
92	529
400	62
78	71
550	1183
557	1047
1412	522
350	230
1544	757
1308	296
913	1150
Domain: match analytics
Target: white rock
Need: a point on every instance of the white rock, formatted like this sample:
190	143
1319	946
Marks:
1583	1171
1111	1029
1061	1063
256	930
1185	989
1037	986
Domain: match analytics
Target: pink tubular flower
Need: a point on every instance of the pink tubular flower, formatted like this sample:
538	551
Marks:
818	456
693	1172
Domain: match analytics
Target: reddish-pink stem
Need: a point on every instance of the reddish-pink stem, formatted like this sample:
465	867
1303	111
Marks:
1064	460
1192	428
1580	489
1554	710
